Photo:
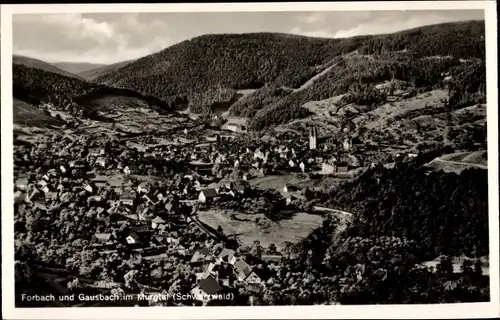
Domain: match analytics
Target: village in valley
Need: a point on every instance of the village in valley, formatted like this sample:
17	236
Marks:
140	198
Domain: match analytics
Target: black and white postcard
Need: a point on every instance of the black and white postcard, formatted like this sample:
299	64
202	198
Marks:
326	160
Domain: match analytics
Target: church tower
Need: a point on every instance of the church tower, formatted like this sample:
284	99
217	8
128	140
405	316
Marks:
313	133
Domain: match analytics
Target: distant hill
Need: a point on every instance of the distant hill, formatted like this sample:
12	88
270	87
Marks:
42	65
207	71
75	96
77	67
99	70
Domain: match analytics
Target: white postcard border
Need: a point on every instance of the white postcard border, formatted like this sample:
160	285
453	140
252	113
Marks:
465	310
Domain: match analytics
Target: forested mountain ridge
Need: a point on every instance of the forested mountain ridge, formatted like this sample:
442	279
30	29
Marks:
209	69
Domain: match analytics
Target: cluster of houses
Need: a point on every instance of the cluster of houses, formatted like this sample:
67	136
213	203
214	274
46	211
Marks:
146	218
116	183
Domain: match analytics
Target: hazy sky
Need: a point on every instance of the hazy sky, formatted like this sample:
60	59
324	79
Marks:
114	37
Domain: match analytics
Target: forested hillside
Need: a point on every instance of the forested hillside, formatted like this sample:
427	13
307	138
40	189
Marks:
445	213
402	217
35	86
209	69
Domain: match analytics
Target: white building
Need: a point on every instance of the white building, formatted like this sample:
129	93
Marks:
347	144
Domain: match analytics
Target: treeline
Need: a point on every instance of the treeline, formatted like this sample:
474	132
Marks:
458	39
191	69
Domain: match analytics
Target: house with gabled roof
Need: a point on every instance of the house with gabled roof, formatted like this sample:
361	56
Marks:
95	152
245	273
133	217
45	189
201	256
157	221
240	188
103	237
133	238
227	255
77	164
205	288
35	196
50	195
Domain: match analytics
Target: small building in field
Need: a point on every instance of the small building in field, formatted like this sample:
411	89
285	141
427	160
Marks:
290	188
101	161
327	168
236	127
207	195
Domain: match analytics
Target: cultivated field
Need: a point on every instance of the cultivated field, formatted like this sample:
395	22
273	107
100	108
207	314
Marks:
302	181
267	232
457	162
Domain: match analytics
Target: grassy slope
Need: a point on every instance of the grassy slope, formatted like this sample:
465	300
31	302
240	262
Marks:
247	230
27	114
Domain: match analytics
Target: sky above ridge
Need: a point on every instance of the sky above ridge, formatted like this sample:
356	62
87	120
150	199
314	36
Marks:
113	37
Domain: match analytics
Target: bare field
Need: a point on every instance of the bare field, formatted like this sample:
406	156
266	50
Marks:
457	162
267	232
277	182
476	157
